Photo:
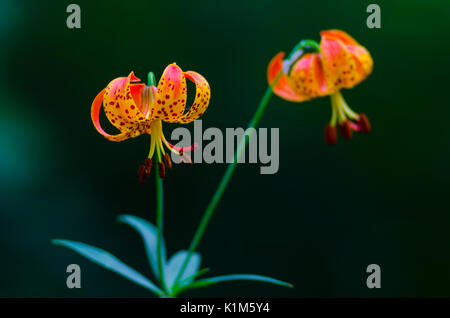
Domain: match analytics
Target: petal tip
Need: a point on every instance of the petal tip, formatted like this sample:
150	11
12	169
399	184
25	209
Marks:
133	78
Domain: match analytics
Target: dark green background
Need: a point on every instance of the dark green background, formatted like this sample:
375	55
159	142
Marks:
329	211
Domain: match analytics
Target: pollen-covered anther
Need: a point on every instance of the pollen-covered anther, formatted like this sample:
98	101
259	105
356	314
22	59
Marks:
330	134
167	161
346	130
161	170
364	124
148	166
141	174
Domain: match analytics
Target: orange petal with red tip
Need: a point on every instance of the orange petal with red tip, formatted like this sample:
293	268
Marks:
282	88
170	99
121	108
202	97
307	77
95	113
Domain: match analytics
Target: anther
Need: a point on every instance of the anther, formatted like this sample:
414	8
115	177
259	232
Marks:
181	151
167	161
364	123
161	170
141	174
148	166
330	135
346	130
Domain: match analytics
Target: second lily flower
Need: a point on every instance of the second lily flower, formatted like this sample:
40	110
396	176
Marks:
137	109
341	63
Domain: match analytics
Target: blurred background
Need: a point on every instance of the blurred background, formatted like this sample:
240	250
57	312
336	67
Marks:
327	214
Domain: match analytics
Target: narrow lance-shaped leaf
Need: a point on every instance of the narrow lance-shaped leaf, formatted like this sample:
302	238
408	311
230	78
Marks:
149	234
174	266
226	278
109	261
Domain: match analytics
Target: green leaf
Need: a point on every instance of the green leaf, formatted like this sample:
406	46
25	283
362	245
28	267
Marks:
109	261
226	278
196	275
174	266
149	234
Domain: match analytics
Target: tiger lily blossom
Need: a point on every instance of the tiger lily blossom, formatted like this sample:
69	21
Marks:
340	63
137	109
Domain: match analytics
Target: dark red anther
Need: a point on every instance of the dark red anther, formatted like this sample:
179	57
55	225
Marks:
148	166
364	123
167	161
346	130
141	174
330	135
161	170
181	151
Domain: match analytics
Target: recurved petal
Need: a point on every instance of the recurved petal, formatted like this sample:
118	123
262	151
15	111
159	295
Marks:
123	103
170	99
95	113
338	63
307	77
202	97
282	88
363	59
344	37
364	62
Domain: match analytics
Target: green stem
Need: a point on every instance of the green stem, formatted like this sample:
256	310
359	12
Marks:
159	222
232	166
159	207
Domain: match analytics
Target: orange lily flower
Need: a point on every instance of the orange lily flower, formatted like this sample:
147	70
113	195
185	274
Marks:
137	109
341	63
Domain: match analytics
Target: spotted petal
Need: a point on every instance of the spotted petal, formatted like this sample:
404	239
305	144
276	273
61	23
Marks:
202	97
170	99
307	77
363	59
282	88
346	63
123	103
95	112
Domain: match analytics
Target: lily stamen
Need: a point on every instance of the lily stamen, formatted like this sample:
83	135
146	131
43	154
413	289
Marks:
348	120
161	170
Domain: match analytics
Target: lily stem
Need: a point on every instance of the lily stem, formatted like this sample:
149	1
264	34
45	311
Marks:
159	222
232	166
159	208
